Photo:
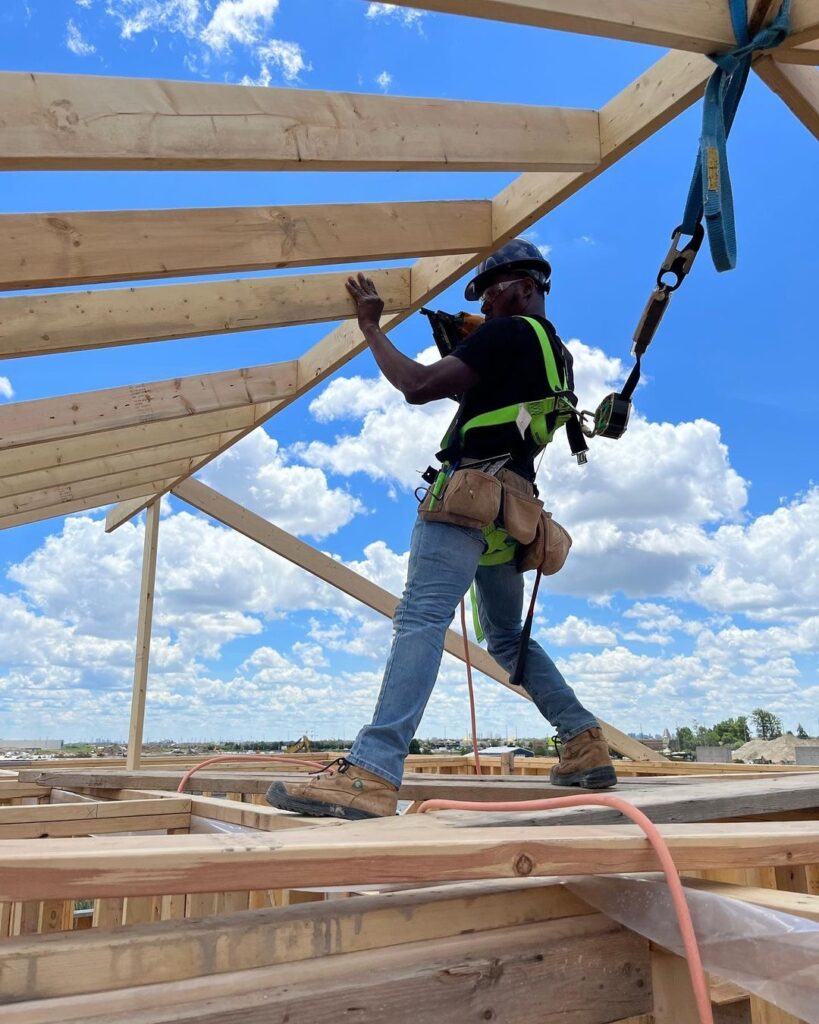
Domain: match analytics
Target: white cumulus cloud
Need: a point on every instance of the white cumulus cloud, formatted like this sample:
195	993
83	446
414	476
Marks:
384	81
75	42
256	472
6	390
238	21
406	15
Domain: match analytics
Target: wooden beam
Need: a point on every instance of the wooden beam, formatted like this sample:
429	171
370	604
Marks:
32	325
147	589
66	508
411	848
95	818
349	582
90	412
41	250
696	25
90	122
538	972
99	962
797	903
141	438
95	490
68	473
642	108
798	87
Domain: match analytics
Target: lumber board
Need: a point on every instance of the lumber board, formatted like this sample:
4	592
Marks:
71	474
188	948
533	974
797	87
711	800
799	904
671	85
42	250
92	122
89	412
94	491
142	655
412	848
96	500
701	801
696	25
93	811
328	569
32	325
147	437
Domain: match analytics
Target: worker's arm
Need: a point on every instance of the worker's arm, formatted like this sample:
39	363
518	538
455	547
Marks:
417	383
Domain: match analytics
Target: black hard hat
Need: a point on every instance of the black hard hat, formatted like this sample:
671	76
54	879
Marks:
515	255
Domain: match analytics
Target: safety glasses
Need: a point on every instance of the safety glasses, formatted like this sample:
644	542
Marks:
494	290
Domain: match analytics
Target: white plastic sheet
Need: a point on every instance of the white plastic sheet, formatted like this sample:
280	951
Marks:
771	954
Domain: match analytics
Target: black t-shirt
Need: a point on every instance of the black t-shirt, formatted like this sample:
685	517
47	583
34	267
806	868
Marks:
506	355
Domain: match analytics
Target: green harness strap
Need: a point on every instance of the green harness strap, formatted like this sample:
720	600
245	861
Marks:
500	547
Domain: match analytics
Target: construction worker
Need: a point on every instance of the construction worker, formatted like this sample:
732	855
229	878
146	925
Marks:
501	363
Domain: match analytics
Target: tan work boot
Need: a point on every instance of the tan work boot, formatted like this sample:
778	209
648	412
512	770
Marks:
341	790
584	762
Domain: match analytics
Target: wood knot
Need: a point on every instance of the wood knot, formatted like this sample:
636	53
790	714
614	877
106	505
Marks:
523	865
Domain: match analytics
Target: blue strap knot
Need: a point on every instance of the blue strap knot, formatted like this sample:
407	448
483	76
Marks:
710	192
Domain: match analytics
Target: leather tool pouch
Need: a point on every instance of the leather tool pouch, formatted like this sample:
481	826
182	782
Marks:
549	549
520	512
471	498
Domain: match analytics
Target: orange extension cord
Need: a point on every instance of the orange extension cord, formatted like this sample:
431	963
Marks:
247	757
692	952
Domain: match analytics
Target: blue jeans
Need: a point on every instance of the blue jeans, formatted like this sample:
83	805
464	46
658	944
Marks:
443	562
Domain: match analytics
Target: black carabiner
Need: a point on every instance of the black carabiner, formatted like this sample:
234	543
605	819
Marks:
678	261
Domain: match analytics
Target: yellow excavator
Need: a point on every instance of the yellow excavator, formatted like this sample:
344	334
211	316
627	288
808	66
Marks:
302	745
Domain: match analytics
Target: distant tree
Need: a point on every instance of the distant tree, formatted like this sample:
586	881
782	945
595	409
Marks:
414	747
800	732
732	731
768	725
686	740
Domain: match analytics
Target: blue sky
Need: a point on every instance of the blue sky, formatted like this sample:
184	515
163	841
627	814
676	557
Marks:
692	590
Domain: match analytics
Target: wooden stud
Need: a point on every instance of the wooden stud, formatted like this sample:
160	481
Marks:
143	640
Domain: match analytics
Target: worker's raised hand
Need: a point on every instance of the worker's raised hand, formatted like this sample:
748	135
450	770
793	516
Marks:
369	304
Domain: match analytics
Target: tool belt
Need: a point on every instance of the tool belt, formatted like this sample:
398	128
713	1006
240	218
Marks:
499	503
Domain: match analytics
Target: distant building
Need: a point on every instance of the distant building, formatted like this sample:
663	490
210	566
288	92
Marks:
31	745
517	751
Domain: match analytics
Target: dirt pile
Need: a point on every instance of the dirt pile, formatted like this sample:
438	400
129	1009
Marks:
778	751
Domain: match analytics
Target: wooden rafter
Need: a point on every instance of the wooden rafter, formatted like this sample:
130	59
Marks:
700	26
72	321
39	250
797	87
349	582
91	412
642	108
85	122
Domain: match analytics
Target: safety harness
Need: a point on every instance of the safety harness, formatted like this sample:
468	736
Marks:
538	421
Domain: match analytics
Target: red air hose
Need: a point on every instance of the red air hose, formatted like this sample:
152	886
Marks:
692	952
472	715
317	765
